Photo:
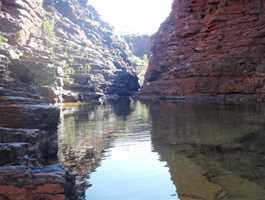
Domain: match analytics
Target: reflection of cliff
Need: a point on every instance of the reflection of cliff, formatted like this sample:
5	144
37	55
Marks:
204	124
221	161
215	175
81	143
86	135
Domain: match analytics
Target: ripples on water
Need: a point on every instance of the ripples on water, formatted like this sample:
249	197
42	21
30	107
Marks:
129	150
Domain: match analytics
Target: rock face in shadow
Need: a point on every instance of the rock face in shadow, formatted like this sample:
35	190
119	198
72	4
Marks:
213	152
209	50
139	44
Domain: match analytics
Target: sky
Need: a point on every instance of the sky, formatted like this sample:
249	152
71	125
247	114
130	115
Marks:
133	16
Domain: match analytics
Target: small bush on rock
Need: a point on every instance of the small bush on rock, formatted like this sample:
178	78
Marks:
48	28
3	40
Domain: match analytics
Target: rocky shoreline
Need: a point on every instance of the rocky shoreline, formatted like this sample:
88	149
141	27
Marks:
29	168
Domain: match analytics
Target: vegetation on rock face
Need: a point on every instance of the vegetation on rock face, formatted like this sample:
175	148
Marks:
143	69
68	72
18	37
48	28
140	47
142	65
3	40
87	68
49	32
83	69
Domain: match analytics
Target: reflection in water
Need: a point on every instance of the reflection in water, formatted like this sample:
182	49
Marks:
213	152
166	151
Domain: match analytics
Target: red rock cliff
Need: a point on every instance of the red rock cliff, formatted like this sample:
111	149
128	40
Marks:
210	48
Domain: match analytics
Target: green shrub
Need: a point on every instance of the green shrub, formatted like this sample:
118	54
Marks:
142	65
48	28
3	40
87	68
83	69
68	72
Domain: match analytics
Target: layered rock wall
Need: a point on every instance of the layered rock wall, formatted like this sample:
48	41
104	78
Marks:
50	51
49	45
210	48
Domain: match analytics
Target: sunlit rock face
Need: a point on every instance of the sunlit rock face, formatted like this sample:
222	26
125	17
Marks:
209	49
97	61
25	56
213	152
50	45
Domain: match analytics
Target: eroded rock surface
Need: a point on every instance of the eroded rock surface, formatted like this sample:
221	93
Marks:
49	45
209	49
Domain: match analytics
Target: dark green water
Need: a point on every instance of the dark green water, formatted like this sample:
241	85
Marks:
129	150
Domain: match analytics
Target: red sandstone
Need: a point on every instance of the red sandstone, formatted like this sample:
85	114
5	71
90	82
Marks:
210	48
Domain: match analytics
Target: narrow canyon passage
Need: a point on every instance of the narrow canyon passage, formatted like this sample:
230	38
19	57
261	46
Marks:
132	100
165	151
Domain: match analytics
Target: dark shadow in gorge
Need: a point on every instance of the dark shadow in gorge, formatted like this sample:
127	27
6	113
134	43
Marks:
122	108
213	152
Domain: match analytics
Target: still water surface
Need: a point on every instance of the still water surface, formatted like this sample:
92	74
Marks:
128	150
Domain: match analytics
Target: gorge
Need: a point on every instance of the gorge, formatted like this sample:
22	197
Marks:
51	51
76	123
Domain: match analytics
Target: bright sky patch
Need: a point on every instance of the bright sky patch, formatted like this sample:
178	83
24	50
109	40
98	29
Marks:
133	16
